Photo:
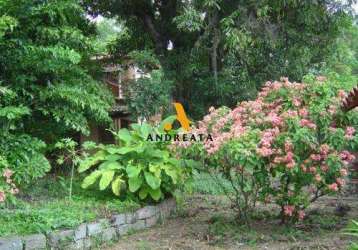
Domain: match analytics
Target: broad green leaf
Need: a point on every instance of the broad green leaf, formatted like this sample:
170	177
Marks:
125	150
169	119
110	165
106	179
159	154
174	161
135	126
89	145
172	172
192	163
153	181
139	149
145	129
113	157
133	171
156	194
124	135
90	179
116	186
155	169
134	183
143	193
91	161
120	150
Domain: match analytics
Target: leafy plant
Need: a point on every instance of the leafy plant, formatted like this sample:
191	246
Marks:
289	146
23	153
45	207
46	89
69	153
45	55
7	186
137	166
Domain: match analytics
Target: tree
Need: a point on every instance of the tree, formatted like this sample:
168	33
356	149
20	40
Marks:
46	88
224	50
109	33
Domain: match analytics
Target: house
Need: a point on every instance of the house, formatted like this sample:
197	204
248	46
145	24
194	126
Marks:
115	77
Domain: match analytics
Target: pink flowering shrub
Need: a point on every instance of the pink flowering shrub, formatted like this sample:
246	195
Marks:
290	146
7	186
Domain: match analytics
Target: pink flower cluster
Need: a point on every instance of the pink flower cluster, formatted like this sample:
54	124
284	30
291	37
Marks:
276	118
307	123
301	215
346	157
7	174
225	125
333	187
2	196
349	133
267	138
288	210
288	158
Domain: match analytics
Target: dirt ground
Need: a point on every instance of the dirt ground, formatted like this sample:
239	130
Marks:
205	222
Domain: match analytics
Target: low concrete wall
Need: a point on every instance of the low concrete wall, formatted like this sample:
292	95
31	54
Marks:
91	235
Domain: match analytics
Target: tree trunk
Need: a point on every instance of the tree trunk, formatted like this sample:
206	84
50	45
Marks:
214	50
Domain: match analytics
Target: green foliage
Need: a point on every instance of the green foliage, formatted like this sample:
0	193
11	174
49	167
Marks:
289	146
190	20
136	166
109	33
23	153
149	96
44	218
68	153
205	183
7	187
352	230
46	208
46	89
44	54
224	50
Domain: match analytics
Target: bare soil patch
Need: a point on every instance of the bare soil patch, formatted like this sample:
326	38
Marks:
205	222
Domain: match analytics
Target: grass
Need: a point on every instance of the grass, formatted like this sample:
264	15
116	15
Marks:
204	183
46	207
352	230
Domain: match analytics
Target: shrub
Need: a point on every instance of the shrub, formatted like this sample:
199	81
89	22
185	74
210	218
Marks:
289	146
136	166
23	153
7	186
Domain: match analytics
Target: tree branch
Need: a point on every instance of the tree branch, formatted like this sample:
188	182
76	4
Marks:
157	37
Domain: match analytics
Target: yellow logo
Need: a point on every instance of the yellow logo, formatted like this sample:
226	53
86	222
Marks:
185	124
181	117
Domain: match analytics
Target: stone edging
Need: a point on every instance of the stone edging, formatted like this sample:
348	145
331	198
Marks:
89	235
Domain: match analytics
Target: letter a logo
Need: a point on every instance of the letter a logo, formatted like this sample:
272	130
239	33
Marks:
181	117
